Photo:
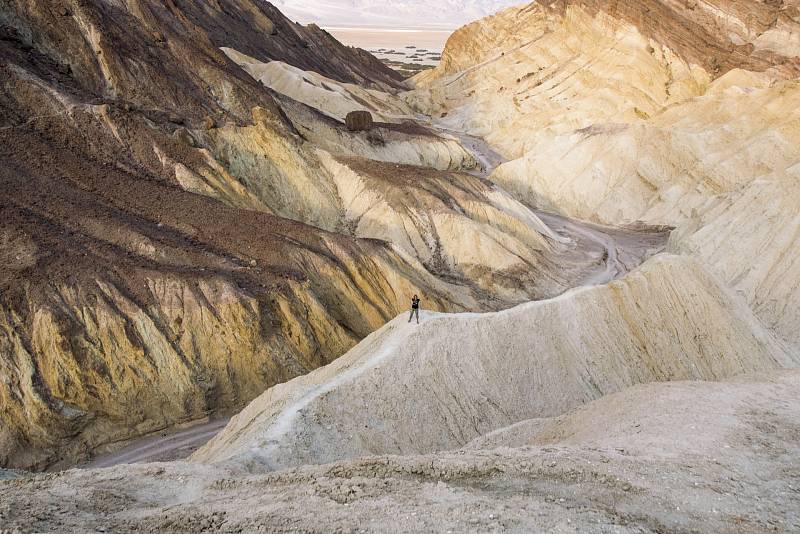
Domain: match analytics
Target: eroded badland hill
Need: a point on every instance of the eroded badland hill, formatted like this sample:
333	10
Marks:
598	201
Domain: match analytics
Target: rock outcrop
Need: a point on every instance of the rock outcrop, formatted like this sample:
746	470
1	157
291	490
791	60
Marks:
318	107
330	96
718	35
531	72
408	143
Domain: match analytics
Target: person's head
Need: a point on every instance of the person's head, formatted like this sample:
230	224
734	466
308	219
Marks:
416	297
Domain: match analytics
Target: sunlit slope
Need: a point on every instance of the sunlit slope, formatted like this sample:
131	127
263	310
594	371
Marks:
408	389
667	113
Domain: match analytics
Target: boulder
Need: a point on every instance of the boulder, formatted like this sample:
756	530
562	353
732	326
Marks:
358	121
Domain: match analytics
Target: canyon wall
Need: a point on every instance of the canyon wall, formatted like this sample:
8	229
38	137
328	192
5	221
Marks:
657	112
188	221
620	122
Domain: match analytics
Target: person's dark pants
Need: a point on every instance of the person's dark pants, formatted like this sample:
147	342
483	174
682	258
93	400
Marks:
413	311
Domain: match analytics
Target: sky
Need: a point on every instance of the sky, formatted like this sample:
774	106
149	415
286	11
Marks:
406	14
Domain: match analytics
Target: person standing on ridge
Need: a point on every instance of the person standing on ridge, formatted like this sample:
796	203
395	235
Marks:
414	308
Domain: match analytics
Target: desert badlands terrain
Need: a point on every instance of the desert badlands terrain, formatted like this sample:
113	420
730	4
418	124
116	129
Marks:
598	201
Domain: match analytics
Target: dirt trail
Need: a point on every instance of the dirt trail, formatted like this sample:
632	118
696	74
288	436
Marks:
165	446
622	249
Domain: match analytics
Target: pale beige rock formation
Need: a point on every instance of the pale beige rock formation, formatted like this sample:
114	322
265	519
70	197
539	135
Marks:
407	143
472	374
660	171
312	99
549	75
329	96
750	239
654	112
452	223
679	456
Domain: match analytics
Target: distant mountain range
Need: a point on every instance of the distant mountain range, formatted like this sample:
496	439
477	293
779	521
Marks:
443	14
